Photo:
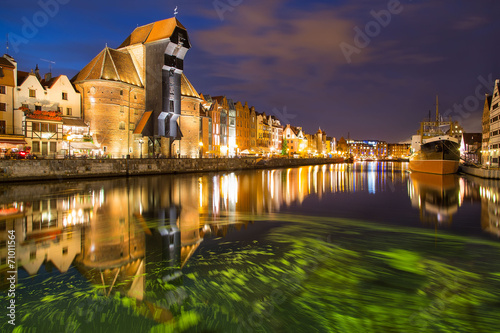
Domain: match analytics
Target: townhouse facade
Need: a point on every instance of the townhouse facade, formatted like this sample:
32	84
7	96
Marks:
135	101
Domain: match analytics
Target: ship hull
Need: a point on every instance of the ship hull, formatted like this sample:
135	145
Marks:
437	157
438	167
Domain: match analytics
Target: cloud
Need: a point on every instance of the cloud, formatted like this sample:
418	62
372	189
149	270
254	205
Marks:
471	22
265	42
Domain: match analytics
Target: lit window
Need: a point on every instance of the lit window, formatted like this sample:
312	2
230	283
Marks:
122	125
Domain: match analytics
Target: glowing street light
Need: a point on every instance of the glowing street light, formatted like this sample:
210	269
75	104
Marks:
201	148
140	144
69	137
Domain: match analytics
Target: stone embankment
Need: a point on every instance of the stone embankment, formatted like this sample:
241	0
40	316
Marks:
480	172
56	169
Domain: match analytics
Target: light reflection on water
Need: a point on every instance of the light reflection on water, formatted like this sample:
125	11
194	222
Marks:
148	249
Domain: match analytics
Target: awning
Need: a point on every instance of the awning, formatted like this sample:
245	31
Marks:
83	145
142	123
74	122
13	141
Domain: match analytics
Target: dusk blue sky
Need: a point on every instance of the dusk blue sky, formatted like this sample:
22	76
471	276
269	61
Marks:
285	57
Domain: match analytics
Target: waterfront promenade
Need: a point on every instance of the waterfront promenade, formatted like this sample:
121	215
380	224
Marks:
58	169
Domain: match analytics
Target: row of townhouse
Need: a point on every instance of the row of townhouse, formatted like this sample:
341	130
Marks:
38	114
490	145
136	101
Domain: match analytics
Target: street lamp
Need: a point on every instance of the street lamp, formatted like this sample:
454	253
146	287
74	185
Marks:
69	138
141	141
201	149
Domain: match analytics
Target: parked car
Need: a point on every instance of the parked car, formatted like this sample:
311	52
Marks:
15	154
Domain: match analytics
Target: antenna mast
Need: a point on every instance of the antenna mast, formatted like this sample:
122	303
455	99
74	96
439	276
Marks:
50	64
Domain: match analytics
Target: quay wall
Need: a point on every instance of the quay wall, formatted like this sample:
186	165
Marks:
58	169
478	172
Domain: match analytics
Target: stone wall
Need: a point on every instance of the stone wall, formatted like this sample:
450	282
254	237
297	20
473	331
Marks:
22	170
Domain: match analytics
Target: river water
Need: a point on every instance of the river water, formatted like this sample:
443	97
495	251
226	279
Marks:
365	247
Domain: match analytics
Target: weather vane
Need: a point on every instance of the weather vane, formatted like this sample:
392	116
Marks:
175	12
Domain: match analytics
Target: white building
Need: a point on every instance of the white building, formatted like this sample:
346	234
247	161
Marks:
494	142
11	132
51	109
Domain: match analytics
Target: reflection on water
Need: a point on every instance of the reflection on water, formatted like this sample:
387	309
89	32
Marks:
149	248
436	196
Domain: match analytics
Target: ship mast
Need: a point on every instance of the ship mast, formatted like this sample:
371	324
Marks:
437	107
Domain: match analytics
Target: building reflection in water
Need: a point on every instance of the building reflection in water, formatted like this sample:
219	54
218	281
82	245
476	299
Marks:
488	191
108	228
131	235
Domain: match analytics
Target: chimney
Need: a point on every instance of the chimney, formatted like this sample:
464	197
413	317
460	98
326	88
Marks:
48	77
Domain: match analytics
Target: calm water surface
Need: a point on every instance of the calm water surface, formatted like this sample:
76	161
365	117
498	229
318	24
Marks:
362	247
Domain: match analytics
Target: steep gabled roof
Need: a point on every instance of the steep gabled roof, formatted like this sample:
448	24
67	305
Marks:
6	63
50	82
112	65
21	77
472	138
152	32
187	88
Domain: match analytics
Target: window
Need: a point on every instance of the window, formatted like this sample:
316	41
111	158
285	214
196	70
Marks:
3	126
69	111
60	109
122	125
122	109
53	147
65	96
65	250
3	107
38	107
32	93
32	255
121	92
25	106
2	89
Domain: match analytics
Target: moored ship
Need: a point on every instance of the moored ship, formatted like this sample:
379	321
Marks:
435	149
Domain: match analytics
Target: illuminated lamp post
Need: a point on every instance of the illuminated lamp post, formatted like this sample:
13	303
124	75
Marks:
141	141
200	149
69	138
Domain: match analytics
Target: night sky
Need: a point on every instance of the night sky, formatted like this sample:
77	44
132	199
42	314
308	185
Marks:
328	64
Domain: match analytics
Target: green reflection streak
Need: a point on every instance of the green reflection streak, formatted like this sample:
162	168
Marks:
308	274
